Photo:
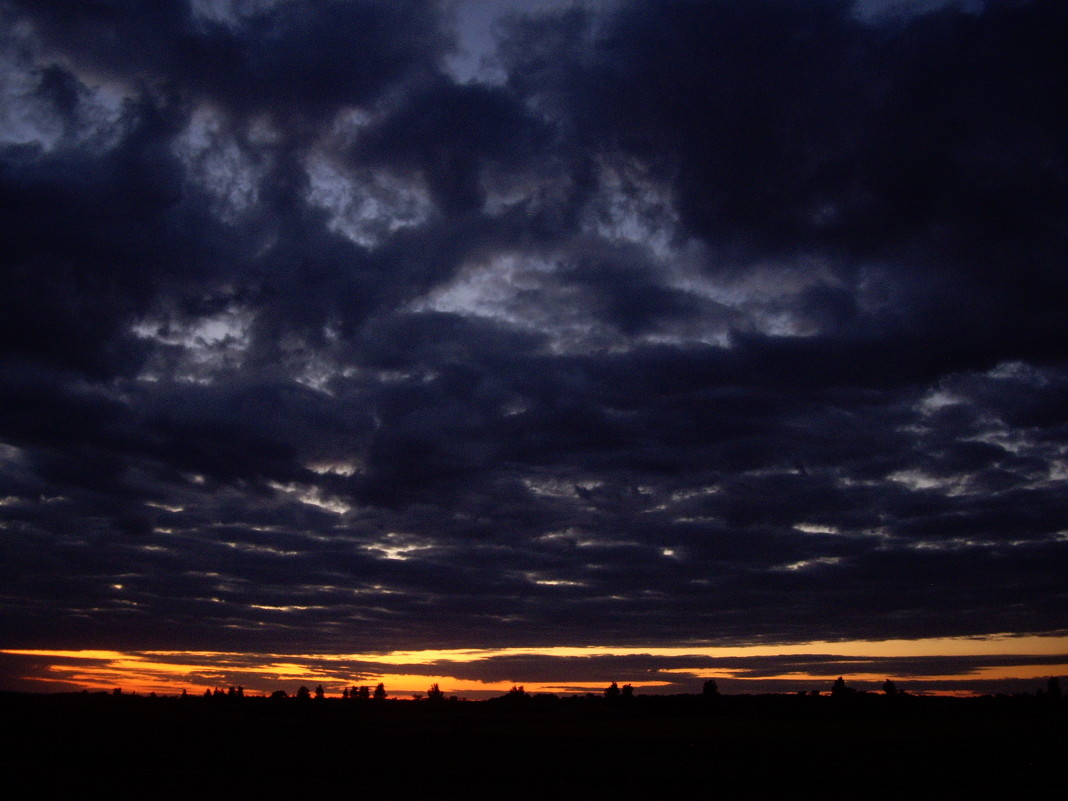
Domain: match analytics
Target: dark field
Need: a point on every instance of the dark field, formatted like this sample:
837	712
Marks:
737	747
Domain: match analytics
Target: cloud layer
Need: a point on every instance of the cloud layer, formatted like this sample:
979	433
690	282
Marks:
358	326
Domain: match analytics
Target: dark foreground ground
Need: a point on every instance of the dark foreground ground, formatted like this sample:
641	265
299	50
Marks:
683	747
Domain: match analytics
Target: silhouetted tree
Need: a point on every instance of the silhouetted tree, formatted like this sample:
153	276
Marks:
363	693
710	689
345	694
628	691
889	688
320	693
517	693
380	692
612	691
303	694
435	693
839	689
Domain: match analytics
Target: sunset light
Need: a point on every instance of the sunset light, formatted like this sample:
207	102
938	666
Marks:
982	663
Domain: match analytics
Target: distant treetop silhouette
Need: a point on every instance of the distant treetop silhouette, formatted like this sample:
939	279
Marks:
839	689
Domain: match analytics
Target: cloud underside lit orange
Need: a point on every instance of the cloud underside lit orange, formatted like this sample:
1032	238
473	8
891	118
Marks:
408	673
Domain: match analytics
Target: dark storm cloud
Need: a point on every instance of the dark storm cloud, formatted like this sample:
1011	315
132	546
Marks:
684	321
451	134
934	147
282	57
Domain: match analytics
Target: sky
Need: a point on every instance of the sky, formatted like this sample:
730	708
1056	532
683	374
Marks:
551	343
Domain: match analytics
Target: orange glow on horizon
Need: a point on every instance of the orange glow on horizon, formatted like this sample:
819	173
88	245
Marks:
169	672
997	673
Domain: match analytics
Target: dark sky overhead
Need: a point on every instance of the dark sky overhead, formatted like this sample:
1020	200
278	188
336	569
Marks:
372	326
